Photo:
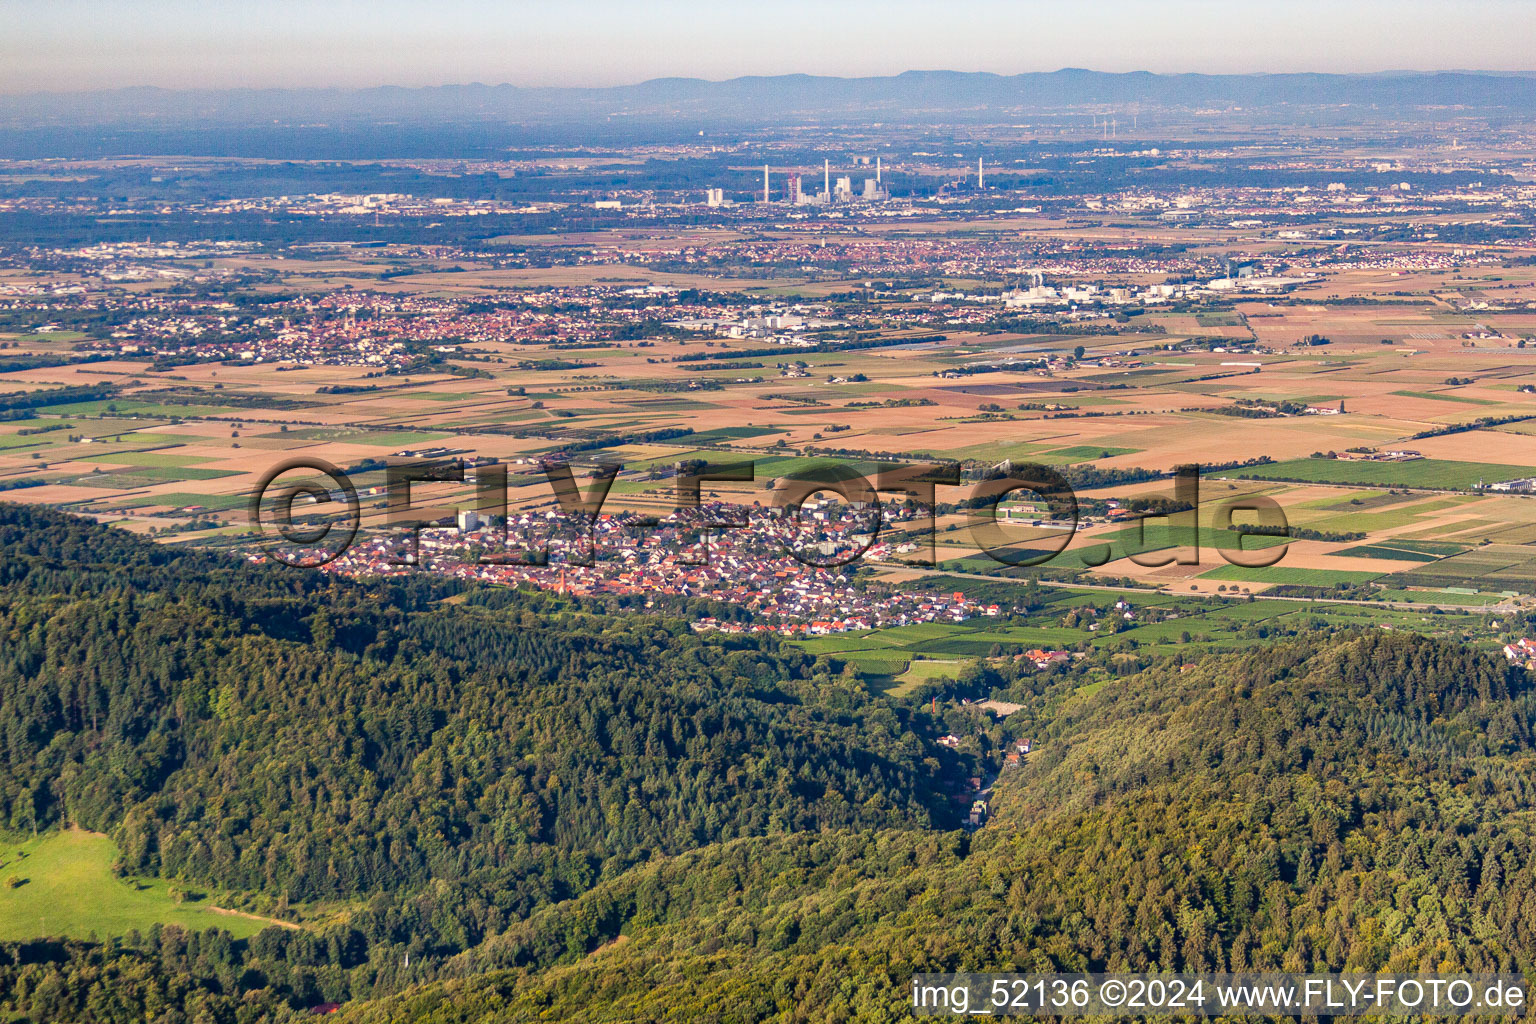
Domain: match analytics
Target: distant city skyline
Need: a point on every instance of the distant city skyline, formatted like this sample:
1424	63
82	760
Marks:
70	45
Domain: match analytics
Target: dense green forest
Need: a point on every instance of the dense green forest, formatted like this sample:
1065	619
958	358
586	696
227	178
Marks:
445	767
1354	803
566	815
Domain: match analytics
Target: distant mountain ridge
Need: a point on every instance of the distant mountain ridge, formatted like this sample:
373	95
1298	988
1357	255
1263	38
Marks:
788	98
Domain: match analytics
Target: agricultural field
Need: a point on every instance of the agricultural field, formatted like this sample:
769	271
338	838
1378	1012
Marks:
646	362
1432	473
901	650
1495	567
900	659
1290	575
1288	378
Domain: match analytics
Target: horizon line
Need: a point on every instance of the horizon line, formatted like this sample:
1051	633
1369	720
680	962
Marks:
1383	73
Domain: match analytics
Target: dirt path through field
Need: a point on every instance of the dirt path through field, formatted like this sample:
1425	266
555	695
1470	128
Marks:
254	917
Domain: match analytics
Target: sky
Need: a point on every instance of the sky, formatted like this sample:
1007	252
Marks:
70	45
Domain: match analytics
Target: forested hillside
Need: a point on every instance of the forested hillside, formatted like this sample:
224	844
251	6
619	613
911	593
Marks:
561	815
1356	803
447	768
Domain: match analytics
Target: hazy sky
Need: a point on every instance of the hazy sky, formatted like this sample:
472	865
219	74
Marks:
48	45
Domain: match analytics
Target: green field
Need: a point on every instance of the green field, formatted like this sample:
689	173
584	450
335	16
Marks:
840	642
1288	574
440	396
143	459
138	437
721	434
127	407
876	663
1440	473
898	660
1495	567
900	650
1156	534
382	438
1440	549
1438	597
177	499
70	890
1083	453
923	672
1386	551
145	476
1441	396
